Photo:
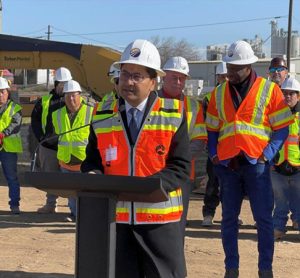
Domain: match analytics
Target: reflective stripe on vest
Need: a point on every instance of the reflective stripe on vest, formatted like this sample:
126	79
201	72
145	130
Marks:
75	142
290	150
45	104
148	156
248	128
195	120
13	142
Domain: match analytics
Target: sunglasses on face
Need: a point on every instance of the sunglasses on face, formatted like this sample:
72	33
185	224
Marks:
279	69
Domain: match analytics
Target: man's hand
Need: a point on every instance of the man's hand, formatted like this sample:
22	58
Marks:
215	160
262	159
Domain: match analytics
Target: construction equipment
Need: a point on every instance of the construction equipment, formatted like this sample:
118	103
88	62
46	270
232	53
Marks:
87	63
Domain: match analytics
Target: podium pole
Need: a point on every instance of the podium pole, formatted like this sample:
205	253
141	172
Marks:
95	235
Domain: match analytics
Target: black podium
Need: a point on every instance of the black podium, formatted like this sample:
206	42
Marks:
96	210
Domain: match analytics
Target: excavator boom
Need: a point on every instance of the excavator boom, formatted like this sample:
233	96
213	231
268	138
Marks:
88	64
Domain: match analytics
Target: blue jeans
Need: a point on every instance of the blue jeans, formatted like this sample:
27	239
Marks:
9	167
287	195
71	200
255	180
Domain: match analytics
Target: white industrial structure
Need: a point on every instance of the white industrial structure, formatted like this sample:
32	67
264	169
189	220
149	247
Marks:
279	41
217	52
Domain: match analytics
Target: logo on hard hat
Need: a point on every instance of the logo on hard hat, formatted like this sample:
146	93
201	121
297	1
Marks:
230	53
160	149
135	52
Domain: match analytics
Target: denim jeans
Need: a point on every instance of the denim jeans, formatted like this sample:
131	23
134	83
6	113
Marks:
71	200
287	196
9	167
255	180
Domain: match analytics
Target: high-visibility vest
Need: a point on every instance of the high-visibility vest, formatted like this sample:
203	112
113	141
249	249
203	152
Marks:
247	129
75	142
13	142
147	157
195	120
45	104
290	150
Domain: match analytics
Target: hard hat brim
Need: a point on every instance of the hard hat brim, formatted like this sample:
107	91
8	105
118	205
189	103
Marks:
230	60
187	75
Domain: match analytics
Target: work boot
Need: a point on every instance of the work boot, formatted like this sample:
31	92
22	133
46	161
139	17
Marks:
231	273
15	210
46	209
207	221
278	234
265	274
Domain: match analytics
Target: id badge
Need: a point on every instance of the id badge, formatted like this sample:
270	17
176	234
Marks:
111	154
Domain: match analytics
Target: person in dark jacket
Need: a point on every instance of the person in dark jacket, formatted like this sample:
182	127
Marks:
42	127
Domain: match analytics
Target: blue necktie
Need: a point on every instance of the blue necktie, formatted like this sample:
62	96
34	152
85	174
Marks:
133	126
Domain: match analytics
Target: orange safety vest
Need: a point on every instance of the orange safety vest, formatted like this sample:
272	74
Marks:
147	157
249	128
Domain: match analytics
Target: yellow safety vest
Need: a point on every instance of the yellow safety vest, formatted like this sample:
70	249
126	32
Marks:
13	142
290	150
45	104
75	142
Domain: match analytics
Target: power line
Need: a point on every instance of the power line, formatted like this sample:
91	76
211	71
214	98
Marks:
81	36
33	32
176	27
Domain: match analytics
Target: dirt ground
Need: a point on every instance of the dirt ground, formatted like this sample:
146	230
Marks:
42	246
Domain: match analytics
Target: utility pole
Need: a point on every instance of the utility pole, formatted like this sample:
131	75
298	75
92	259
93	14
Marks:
288	52
48	72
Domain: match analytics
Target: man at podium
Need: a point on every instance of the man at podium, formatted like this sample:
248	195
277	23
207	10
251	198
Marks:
143	135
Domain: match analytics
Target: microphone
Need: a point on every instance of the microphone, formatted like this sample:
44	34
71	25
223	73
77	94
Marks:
33	159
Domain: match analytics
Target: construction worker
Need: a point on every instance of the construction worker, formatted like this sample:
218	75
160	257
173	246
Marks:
221	73
177	71
278	70
211	198
145	136
113	75
247	121
75	115
10	143
286	174
42	127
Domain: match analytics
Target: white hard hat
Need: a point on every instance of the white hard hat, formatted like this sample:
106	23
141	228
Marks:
71	86
62	75
221	68
143	53
240	53
3	84
178	64
291	84
114	72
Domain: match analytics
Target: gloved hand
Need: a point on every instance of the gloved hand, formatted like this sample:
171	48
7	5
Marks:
2	135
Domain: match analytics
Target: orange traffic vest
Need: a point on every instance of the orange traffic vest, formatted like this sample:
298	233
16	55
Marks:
147	157
247	129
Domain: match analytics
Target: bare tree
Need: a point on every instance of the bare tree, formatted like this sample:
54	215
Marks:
169	47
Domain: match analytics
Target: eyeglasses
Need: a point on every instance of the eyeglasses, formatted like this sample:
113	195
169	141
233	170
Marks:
279	69
134	77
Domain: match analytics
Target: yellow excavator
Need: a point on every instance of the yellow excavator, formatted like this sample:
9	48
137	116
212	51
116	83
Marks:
88	64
